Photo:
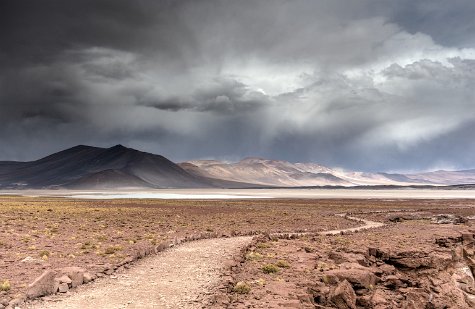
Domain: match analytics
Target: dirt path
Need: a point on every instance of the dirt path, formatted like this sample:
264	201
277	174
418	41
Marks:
368	224
175	278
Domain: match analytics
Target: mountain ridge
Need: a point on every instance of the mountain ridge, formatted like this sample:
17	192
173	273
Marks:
85	167
90	167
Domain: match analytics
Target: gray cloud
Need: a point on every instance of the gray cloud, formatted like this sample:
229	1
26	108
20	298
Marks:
225	96
372	85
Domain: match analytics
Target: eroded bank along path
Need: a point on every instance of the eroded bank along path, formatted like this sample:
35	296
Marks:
175	278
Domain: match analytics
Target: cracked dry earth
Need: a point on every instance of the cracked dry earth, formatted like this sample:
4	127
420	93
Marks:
175	278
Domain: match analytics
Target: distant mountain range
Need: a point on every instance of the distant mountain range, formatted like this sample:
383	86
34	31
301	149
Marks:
87	167
285	174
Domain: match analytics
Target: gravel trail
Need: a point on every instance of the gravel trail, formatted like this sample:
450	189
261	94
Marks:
175	278
368	224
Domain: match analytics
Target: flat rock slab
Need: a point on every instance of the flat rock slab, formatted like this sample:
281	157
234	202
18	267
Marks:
176	278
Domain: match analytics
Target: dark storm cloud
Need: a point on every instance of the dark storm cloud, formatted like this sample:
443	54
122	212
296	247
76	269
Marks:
224	97
363	84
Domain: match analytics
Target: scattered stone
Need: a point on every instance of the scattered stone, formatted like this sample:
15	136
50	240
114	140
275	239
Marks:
76	274
448	219
378	298
408	216
63	288
468	238
87	277
43	285
448	242
65	279
360	277
377	253
30	259
344	296
15	302
344	257
387	269
394	282
221	299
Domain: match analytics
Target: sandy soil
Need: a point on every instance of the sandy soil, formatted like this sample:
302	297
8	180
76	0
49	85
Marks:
177	278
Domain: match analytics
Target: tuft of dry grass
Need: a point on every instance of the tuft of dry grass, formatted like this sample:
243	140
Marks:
282	264
270	269
242	288
5	286
254	256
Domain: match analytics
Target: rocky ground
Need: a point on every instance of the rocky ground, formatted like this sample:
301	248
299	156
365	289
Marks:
39	234
410	263
423	248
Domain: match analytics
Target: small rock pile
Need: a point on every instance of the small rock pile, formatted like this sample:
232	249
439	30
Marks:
384	279
60	280
448	219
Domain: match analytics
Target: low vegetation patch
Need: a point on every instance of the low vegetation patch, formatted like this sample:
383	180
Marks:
5	286
253	256
242	288
282	264
113	249
44	254
270	269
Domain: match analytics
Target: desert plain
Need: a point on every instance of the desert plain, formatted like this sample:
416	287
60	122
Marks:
422	257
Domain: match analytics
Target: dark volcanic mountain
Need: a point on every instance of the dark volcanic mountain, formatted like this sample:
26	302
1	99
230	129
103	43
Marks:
86	167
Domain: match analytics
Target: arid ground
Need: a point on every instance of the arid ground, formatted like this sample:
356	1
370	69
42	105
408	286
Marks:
405	263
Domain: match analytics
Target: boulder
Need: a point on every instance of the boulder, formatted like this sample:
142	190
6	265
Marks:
378	298
87	277
468	239
394	282
76	274
65	279
416	298
378	253
344	296
43	285
344	257
387	269
63	288
448	219
359	277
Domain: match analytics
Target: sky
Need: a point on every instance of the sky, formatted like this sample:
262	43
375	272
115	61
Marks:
370	85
